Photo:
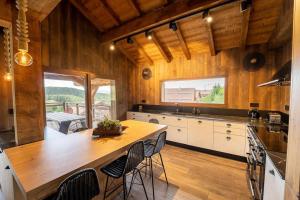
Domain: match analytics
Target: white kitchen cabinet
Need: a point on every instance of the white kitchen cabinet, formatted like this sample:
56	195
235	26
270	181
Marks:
232	125
230	131
274	184
173	121
233	144
201	133
6	179
137	116
177	134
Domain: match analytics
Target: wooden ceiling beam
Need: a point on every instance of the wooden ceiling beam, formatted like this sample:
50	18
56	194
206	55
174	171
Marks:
284	28
126	54
135	6
159	17
245	27
182	42
111	12
161	49
142	51
210	38
87	14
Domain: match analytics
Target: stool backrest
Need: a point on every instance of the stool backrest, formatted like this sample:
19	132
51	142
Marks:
160	142
82	185
134	157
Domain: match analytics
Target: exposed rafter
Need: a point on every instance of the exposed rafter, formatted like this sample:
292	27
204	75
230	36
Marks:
87	14
161	49
111	12
142	51
210	38
283	31
135	6
244	28
182	42
158	17
126	54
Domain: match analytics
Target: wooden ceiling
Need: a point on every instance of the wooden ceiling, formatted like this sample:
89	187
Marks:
230	27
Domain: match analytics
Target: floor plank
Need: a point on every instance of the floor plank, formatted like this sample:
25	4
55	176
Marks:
196	176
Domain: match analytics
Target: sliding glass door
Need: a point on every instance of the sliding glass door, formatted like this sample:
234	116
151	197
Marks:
103	97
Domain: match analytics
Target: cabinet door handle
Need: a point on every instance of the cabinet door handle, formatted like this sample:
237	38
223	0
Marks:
149	115
272	172
228	131
199	121
133	114
228	138
179	130
7	167
228	125
133	118
164	117
178	119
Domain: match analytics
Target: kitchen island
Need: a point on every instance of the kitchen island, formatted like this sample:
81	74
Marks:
38	168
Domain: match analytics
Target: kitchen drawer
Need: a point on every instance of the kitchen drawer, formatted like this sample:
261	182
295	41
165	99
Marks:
232	125
230	131
149	116
137	116
177	134
173	121
232	144
200	133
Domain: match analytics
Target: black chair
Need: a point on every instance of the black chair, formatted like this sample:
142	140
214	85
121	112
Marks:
153	149
153	139
82	185
127	164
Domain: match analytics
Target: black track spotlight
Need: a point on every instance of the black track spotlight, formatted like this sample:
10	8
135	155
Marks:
130	40
112	46
207	17
148	35
173	26
245	4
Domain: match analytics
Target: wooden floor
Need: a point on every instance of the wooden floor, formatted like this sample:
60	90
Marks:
196	176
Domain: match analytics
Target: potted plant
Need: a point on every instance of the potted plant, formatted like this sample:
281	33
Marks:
108	127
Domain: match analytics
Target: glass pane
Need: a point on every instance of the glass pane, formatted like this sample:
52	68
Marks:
65	102
103	100
211	91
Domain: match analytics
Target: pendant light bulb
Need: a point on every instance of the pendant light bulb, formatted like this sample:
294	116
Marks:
23	58
112	46
8	76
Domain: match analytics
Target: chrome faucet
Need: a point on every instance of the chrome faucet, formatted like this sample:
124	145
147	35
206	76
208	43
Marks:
177	107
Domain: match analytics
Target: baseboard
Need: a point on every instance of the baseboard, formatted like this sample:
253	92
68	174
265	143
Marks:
209	151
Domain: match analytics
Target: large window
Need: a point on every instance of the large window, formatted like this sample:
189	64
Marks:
205	91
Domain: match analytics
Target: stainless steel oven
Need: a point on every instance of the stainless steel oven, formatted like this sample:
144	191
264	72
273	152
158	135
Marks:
256	164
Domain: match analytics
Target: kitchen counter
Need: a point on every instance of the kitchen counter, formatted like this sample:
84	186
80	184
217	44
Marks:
275	143
200	116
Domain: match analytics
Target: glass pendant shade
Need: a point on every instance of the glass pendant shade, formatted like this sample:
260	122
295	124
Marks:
8	76
23	58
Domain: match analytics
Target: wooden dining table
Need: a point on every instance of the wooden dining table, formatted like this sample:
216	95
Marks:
38	168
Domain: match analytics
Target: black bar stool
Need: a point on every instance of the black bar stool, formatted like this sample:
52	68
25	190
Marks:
125	165
82	185
153	149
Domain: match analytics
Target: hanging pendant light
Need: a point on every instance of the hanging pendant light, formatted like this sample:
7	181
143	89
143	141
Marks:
7	55
22	58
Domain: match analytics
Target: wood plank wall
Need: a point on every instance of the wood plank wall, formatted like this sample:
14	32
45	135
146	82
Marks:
71	42
27	84
5	91
241	84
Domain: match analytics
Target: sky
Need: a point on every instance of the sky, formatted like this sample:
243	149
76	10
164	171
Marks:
200	84
69	84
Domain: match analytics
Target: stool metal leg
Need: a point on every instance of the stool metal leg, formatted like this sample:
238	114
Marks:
124	187
162	163
105	188
143	183
152	177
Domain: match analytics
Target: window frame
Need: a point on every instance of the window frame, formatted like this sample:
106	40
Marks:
195	104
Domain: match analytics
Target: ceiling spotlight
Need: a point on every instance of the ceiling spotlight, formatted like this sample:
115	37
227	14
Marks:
112	46
173	26
207	17
148	35
245	4
130	40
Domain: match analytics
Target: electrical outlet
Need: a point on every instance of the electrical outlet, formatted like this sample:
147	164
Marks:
287	108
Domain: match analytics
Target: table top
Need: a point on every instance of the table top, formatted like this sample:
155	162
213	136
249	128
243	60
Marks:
36	164
63	117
